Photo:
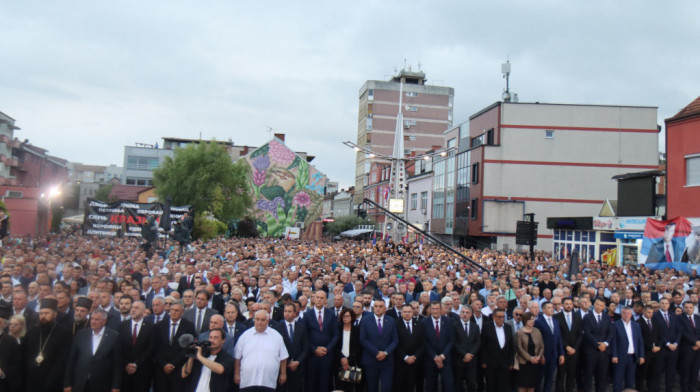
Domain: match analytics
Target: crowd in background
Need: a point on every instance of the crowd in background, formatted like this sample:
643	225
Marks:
93	314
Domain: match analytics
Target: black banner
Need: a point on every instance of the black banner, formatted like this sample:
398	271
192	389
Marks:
125	218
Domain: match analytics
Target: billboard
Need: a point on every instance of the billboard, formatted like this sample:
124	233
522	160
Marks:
673	243
124	218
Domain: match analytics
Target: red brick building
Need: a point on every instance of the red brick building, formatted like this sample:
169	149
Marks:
683	162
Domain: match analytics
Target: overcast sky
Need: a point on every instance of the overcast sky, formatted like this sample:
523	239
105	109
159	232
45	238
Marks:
84	79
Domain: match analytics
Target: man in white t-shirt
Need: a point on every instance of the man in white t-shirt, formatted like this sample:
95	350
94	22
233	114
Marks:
261	356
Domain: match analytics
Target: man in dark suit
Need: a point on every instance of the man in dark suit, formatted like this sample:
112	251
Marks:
397	300
625	353
464	350
297	343
19	304
233	328
438	340
158	313
670	337
553	348
570	325
94	362
138	345
157	290
598	334
10	354
169	355
408	352
322	328
648	374
187	281
689	356
498	352
200	314
668	249
379	339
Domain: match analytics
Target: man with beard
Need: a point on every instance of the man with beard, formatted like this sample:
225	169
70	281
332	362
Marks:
47	348
10	354
80	312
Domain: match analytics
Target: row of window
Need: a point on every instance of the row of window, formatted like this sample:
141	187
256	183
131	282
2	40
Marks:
139	181
141	163
423	200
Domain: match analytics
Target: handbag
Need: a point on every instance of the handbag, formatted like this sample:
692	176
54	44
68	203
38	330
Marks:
352	375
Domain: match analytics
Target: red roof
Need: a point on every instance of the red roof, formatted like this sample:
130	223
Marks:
127	192
692	109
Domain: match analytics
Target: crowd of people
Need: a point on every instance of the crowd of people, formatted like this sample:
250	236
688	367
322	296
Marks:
95	314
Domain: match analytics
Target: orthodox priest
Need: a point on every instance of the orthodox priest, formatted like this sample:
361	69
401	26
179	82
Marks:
47	348
80	314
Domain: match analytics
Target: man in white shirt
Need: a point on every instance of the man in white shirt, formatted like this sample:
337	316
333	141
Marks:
260	356
627	350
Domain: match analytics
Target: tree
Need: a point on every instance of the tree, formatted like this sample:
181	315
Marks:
203	176
102	193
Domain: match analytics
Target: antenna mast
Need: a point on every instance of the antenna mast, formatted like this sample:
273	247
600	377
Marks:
505	70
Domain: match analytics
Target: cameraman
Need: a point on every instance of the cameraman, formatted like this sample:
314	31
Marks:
213	372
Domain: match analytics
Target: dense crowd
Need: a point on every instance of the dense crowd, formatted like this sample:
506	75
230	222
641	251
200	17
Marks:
96	314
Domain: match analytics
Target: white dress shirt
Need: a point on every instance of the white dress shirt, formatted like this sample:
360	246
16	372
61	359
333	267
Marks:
630	339
260	354
501	335
96	339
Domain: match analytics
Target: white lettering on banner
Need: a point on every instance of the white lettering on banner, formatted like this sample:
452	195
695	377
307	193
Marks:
637	223
98	217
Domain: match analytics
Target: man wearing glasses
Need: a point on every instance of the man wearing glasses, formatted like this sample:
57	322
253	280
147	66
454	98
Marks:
516	322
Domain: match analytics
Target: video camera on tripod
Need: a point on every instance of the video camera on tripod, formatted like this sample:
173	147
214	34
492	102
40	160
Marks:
190	344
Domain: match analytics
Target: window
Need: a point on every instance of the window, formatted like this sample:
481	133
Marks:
450	101
410	94
370	95
475	173
414	201
549	134
424	200
489	137
692	170
369	122
475	203
477	141
141	163
409	123
409	108
449	115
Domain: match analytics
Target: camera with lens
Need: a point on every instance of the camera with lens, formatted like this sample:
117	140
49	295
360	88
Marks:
190	345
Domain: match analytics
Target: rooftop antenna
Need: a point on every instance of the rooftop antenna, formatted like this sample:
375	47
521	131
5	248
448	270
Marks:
404	64
419	66
505	70
269	130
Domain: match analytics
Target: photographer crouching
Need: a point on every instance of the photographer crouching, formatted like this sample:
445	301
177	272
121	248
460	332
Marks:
212	370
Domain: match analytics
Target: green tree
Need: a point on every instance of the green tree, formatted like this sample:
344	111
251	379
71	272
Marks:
202	175
345	223
102	193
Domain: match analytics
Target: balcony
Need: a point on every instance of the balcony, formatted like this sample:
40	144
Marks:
12	162
12	143
8	181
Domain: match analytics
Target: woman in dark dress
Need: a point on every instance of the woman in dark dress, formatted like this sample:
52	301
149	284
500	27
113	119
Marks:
529	354
347	351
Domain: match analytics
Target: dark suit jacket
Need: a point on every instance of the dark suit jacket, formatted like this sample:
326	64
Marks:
657	252
570	337
491	352
328	336
689	334
239	328
373	341
464	344
409	343
393	313
191	316
142	353
437	345
355	348
152	294
552	340
298	345
10	363
594	332
102	369
650	337
151	318
182	285
165	351
670	333
277	313
31	317
621	343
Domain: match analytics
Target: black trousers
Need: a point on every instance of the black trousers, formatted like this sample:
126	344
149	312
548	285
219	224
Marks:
169	382
566	373
649	374
497	379
136	382
596	368
669	359
405	375
464	375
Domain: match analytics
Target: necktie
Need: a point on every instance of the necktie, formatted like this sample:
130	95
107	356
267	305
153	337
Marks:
157	319
668	254
437	328
649	322
466	328
320	321
668	324
568	320
291	331
408	327
199	321
357	322
598	319
134	335
230	330
172	332
379	325
337	312
551	326
691	321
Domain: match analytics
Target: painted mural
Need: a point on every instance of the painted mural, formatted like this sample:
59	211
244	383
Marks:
287	190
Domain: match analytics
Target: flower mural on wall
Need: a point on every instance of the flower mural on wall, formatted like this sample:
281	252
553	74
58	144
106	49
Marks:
287	189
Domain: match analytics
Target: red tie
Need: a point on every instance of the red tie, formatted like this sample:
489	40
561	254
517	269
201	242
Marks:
320	321
691	321
437	328
134	336
668	255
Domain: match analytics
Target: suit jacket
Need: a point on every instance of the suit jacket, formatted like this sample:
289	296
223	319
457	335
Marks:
650	336
570	337
327	336
521	342
218	303
239	328
657	252
183	285
621	342
30	316
491	352
151	318
464	344
594	332
167	352
297	345
152	294
437	345
374	341
410	343
689	333
670	333
142	353
103	369
355	353
277	313
191	316
552	339
10	363
510	322
393	313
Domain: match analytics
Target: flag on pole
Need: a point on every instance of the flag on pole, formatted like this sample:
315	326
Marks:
374	239
420	247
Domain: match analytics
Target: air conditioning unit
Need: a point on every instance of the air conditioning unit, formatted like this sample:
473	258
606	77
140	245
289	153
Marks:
423	211
14	194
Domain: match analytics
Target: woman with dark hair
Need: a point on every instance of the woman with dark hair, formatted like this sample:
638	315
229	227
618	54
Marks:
348	349
225	291
529	354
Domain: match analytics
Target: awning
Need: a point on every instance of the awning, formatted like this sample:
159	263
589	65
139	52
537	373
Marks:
355	232
629	235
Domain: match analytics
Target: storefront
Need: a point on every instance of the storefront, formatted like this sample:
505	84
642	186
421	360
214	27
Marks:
573	234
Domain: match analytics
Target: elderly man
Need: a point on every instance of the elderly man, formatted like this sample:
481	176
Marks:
260	357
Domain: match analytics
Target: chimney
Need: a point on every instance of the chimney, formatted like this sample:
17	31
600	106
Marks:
280	136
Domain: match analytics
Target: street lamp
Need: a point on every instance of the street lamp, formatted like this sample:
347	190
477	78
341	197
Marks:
49	197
